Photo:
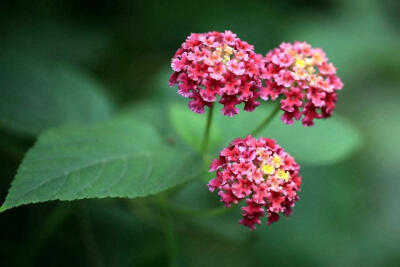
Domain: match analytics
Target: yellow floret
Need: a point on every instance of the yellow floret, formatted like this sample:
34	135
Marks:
228	50
300	63
277	161
281	174
267	169
218	50
311	70
226	58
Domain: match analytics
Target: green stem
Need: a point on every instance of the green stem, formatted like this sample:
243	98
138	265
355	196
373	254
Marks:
267	120
206	136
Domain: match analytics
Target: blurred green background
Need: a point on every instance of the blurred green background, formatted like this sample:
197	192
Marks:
348	214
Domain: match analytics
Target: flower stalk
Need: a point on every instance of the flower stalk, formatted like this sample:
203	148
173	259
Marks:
267	121
207	129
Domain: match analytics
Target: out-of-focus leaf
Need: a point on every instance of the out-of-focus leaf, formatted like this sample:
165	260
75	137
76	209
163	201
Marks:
161	89
330	141
327	142
119	158
190	126
36	95
153	111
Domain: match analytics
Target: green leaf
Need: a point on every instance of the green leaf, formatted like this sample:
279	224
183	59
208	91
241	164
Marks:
36	95
327	142
149	111
190	126
119	158
330	141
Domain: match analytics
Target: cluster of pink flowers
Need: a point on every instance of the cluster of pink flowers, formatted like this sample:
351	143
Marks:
217	64
260	171
306	79
220	67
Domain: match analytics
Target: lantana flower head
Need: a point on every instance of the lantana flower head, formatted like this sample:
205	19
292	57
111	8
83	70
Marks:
305	77
216	66
260	172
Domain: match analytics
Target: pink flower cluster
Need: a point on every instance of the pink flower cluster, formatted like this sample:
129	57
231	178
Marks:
260	171
217	64
306	79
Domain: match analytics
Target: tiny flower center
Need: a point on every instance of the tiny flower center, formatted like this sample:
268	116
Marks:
283	175
300	63
267	169
225	53
277	161
311	69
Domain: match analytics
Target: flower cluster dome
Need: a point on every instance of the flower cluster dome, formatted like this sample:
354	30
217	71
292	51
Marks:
260	172
216	66
305	78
